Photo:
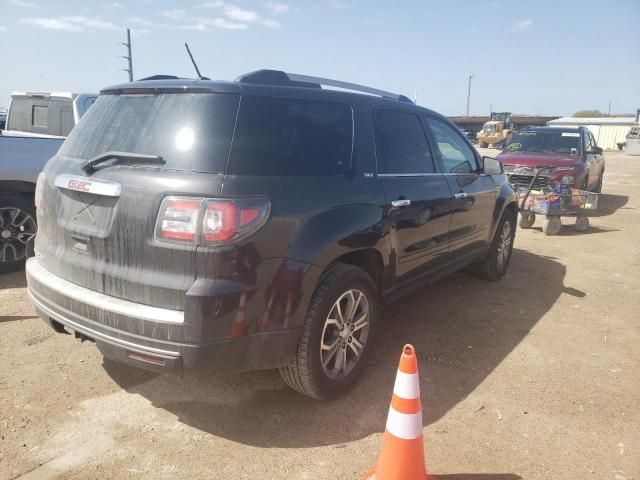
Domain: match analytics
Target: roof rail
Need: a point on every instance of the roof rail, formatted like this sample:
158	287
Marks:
278	77
159	77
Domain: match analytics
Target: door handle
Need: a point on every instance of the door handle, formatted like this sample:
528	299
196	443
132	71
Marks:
404	202
461	195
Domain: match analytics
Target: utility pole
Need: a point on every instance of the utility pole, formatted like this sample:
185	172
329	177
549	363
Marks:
128	57
469	94
609	114
415	96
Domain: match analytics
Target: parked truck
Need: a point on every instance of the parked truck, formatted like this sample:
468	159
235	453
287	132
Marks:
495	130
36	125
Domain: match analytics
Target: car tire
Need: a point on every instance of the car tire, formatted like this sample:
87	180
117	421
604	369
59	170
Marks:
496	263
17	223
483	144
314	370
526	219
552	226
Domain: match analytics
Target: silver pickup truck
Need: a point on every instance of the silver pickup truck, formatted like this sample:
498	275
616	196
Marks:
37	123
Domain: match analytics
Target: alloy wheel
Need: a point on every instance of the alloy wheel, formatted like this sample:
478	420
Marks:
17	227
344	335
504	245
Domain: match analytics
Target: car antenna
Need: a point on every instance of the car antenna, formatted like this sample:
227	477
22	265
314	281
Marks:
194	63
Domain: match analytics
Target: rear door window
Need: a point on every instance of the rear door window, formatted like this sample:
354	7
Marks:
401	144
190	131
287	136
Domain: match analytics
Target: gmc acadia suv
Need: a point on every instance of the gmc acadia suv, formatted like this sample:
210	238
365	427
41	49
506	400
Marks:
200	225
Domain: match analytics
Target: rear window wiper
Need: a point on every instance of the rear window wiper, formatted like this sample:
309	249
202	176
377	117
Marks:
135	158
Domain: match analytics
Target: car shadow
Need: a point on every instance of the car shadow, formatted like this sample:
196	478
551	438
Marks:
462	328
13	318
13	280
477	476
568	230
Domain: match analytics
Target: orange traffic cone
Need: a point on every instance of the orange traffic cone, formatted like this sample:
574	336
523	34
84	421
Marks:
402	454
240	326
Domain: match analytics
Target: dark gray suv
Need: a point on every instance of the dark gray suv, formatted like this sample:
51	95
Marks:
192	224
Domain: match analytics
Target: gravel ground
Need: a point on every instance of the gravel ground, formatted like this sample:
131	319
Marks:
533	377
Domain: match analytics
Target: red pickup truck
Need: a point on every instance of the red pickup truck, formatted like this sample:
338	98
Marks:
573	152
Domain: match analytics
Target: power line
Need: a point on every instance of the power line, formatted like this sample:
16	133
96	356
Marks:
572	84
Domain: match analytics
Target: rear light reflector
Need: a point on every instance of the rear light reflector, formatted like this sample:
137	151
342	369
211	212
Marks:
209	222
143	357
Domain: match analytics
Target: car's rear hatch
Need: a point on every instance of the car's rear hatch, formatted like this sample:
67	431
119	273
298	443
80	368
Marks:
96	227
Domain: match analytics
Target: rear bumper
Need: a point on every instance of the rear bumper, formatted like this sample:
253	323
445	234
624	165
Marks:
141	335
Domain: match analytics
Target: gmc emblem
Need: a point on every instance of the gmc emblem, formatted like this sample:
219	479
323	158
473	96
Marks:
79	185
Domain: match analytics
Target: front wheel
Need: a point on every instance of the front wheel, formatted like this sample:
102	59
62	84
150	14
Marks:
496	263
336	338
17	227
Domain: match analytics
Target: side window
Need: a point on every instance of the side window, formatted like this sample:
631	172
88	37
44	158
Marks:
593	140
39	116
288	136
588	145
401	144
456	155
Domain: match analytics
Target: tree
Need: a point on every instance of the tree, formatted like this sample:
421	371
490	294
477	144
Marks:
588	113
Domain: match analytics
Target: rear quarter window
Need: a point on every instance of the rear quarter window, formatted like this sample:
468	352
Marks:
291	137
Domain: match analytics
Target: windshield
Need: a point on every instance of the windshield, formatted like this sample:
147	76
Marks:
546	142
490	129
190	131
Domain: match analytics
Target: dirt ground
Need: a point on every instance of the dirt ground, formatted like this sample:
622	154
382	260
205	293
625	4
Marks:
533	377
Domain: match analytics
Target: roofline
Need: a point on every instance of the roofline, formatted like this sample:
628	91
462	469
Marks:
265	78
49	94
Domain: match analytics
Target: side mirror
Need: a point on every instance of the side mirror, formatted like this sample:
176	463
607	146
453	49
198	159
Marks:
491	166
597	151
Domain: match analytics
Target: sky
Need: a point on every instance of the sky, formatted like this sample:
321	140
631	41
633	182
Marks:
543	57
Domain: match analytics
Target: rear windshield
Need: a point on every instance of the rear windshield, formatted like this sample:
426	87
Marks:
190	131
41	115
546	142
285	136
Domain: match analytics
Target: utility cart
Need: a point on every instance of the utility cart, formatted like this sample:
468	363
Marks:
555	203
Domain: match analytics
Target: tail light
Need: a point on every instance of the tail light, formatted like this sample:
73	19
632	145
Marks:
209	222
